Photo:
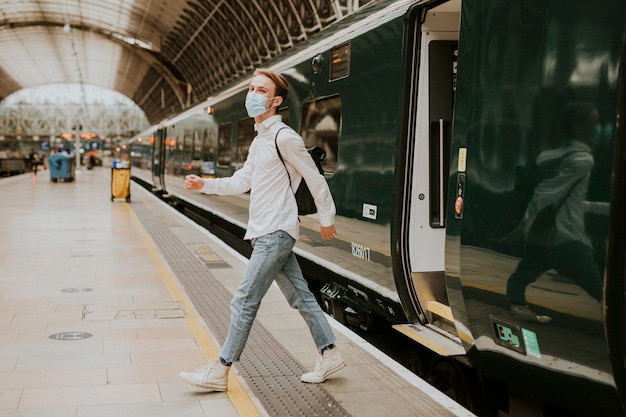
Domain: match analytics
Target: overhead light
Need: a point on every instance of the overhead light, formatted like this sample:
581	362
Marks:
66	27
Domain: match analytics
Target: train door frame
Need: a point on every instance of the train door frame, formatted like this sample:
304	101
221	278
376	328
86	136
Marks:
158	160
616	272
419	261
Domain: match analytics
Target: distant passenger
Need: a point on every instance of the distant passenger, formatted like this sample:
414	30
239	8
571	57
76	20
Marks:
35	160
554	221
273	228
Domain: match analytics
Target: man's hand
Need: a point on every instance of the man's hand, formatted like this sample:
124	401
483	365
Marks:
328	232
193	182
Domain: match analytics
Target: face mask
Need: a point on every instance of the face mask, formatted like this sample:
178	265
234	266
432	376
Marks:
255	104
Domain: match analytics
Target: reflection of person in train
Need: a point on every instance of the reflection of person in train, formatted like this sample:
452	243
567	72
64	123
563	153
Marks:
553	223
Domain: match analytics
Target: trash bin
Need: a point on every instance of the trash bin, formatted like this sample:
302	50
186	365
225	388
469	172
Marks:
62	167
120	183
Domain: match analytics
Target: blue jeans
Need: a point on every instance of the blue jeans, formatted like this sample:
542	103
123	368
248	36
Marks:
572	259
272	254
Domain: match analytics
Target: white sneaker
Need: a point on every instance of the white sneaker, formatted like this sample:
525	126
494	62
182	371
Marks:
212	377
329	363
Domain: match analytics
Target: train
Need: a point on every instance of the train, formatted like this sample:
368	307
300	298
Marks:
437	118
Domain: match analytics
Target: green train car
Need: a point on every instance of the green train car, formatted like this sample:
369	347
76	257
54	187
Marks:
476	158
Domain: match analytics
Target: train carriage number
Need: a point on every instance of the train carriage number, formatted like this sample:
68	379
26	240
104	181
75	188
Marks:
360	251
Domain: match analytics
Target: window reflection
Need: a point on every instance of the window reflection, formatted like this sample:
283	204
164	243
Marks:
223	145
321	123
553	224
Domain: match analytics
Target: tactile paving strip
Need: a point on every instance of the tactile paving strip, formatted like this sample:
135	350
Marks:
270	371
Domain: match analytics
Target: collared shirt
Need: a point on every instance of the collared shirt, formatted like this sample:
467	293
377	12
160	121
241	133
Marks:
272	203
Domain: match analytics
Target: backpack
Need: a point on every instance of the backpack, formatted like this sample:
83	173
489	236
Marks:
304	199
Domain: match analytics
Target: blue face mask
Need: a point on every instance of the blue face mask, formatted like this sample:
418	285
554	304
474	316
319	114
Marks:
255	104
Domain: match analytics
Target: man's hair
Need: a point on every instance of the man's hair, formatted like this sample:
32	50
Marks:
282	87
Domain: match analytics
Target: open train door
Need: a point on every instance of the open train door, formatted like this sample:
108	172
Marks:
419	229
535	226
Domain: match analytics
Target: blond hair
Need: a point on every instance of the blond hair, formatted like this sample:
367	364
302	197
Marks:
282	87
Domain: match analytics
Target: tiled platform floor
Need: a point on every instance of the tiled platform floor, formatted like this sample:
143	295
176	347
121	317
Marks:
70	236
73	262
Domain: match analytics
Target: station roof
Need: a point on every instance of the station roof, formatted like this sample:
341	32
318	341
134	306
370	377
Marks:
164	55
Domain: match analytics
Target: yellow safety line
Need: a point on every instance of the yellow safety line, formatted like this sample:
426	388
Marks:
238	396
432	346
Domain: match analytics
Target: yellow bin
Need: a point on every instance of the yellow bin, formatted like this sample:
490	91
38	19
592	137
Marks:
120	183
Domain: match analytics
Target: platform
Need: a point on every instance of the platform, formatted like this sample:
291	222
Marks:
103	303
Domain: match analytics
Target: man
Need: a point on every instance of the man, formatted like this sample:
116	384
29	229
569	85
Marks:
273	228
34	159
554	221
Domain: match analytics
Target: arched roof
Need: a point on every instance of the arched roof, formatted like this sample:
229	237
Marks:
165	55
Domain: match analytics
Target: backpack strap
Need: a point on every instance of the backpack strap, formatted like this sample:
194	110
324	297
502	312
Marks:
281	157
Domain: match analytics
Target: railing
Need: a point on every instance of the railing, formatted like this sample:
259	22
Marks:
12	166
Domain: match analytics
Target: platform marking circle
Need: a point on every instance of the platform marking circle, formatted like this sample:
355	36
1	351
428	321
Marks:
70	336
76	290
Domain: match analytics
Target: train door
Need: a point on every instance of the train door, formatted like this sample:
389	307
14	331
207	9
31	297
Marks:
157	161
433	78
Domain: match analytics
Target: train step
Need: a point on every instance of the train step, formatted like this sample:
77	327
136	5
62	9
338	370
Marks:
444	345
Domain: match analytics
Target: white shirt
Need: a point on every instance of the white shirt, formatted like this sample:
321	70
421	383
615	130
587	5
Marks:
272	203
565	191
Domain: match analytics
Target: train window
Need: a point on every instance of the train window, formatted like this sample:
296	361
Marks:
159	147
197	144
245	134
442	61
208	148
207	155
340	62
170	148
223	144
321	123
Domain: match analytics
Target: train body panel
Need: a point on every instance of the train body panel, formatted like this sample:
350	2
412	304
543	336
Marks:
533	161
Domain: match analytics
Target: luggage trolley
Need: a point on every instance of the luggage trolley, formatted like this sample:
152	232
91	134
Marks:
120	181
